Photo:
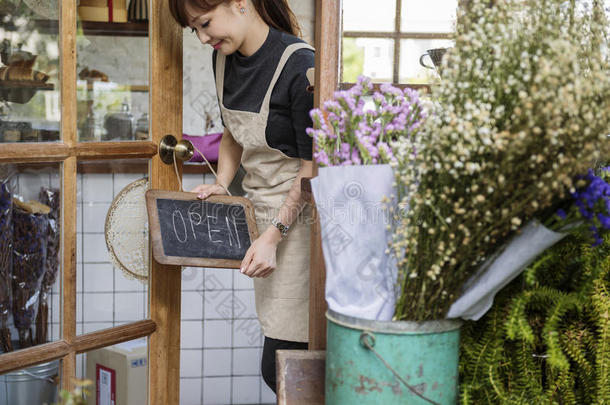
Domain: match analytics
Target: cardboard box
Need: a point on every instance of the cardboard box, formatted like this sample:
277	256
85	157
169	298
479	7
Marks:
101	14
119	374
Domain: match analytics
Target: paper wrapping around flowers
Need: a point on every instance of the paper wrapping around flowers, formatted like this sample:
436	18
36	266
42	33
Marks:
360	276
501	269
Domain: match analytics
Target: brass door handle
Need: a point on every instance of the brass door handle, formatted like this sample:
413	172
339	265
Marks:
170	147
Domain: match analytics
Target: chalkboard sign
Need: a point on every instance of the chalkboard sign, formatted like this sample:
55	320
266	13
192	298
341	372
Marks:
215	232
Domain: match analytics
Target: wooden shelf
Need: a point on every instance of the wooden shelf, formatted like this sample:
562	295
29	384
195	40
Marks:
26	84
21	91
128	29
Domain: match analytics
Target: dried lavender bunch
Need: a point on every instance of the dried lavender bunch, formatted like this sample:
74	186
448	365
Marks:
523	109
358	126
29	255
6	238
51	198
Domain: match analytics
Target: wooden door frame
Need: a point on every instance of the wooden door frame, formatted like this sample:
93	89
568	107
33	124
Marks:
164	296
165	281
327	44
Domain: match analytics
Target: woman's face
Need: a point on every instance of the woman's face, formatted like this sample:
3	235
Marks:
222	28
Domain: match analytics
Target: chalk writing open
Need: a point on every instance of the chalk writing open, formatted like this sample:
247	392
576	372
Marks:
203	229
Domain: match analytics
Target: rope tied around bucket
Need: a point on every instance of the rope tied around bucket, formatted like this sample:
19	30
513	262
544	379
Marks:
367	339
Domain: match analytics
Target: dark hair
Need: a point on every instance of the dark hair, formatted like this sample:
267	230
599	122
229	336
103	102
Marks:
276	13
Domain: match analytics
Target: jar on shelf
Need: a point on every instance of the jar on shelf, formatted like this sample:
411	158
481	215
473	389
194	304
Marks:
142	127
119	125
87	129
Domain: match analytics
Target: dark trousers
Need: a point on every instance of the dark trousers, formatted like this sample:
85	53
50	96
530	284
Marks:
268	360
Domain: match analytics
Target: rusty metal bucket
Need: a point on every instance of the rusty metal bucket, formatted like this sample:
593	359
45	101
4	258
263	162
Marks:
372	362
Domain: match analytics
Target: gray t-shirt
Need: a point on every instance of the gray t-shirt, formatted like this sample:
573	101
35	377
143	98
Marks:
247	80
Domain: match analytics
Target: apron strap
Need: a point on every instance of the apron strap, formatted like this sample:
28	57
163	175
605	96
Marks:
220	76
220	72
290	49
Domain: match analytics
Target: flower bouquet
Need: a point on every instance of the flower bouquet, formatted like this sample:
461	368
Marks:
522	113
352	134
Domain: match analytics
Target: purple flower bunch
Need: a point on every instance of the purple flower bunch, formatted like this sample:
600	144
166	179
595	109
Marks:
358	126
591	206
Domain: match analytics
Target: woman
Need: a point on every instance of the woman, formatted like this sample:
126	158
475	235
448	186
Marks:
260	67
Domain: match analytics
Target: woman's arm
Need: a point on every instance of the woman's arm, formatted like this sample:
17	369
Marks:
229	158
260	258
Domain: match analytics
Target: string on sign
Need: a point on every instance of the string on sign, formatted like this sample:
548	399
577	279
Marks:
209	165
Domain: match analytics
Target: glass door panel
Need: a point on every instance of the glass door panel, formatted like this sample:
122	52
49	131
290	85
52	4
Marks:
115	374
29	71
110	290
112	75
30	261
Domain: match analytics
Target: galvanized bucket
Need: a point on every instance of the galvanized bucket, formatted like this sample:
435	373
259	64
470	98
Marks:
36	385
373	362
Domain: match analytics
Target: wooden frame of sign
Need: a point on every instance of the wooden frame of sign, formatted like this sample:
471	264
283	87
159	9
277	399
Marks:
160	254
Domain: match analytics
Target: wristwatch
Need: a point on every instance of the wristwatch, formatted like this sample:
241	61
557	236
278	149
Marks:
282	228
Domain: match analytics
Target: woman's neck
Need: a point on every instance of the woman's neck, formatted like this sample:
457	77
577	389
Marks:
257	34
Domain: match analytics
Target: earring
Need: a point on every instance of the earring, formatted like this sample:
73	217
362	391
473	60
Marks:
242	10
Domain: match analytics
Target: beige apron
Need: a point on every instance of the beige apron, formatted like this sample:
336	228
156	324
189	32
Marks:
282	299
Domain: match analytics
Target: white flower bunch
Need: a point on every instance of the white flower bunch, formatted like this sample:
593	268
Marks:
523	108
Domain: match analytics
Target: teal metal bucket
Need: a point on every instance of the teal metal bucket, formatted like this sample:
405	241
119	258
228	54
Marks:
391	363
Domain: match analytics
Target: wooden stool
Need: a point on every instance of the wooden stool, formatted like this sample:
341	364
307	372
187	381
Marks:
300	377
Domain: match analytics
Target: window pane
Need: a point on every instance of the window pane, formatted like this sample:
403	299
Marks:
30	255
29	72
410	52
358	15
112	75
353	60
115	374
372	57
110	286
428	16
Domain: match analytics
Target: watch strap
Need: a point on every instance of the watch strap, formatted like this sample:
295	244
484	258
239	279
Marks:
280	226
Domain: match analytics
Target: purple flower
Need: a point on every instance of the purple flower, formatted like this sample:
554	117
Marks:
321	157
604	220
592	202
350	134
355	157
345	151
561	213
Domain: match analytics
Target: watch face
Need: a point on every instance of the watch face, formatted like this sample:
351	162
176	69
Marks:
283	228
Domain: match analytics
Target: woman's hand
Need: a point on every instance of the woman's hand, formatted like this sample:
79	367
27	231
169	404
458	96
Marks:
259	260
205	190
